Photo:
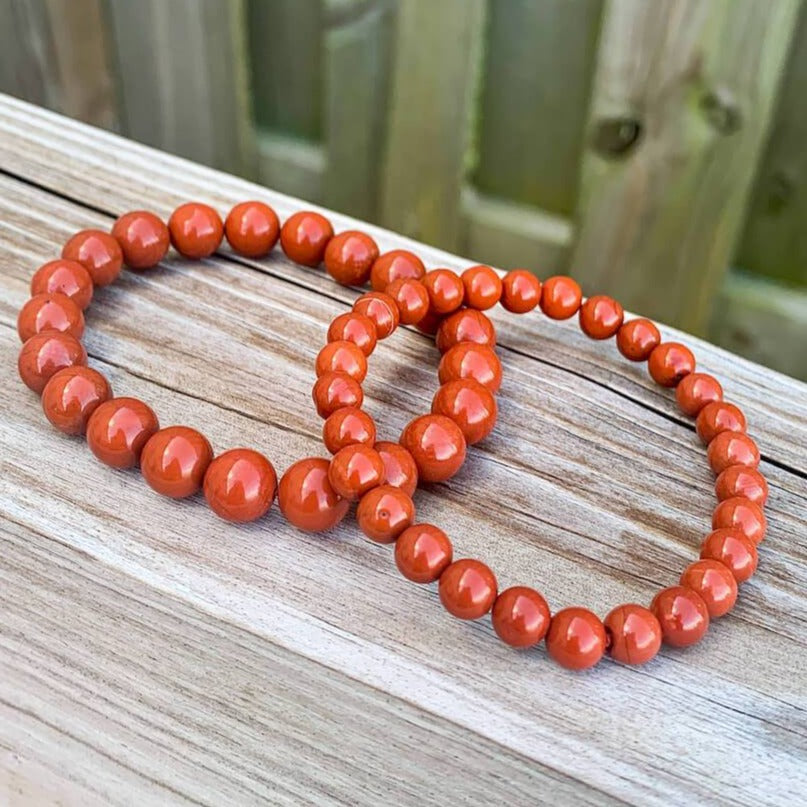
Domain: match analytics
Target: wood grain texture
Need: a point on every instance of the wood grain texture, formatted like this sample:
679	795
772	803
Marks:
151	654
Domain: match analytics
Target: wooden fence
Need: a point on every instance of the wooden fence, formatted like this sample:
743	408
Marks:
656	149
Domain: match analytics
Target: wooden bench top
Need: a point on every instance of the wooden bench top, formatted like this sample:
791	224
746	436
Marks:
153	654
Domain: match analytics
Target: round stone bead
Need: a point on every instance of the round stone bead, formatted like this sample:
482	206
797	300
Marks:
436	445
521	291
384	513
738	480
669	363
399	264
98	252
354	327
50	312
483	287
422	553
561	297
601	317
412	299
470	405
733	550
304	237
174	461
355	470
520	616
634	634
307	499
44	354
240	485
430	323
743	515
732	448
381	310
576	638
64	277
714	583
196	230
446	291
465	325
72	395
637	339
469	360
467	588
143	237
252	229
348	426
718	417
118	429
400	470
696	391
342	357
332	391
682	614
349	257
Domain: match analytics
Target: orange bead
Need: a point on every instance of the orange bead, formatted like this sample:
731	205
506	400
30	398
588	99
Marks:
470	405
118	429
713	583
738	480
64	277
348	426
682	614
732	448
422	553
412	299
354	327
697	390
465	325
304	237
98	252
467	589
669	363
332	391
634	634
240	485
44	354
736	552
468	360
400	470
446	290
50	312
576	638
174	461
743	515
342	357
381	310
143	238
72	395
483	287
560	297
252	229
354	470
349	257
436	445
601	317
384	513
521	291
637	339
430	323
719	417
520	616
307	499
399	264
196	230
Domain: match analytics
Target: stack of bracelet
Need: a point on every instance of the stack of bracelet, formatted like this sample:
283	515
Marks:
315	493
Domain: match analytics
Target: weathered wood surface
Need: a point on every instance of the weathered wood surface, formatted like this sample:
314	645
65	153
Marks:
151	654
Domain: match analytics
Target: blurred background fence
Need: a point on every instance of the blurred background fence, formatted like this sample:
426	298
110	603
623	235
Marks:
655	149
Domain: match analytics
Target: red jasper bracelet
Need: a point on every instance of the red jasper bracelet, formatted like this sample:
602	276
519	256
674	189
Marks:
314	493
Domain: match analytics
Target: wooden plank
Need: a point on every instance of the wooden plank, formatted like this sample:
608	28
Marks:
683	98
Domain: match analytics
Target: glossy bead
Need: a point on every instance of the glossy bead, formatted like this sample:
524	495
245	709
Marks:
738	480
398	264
468	360
719	417
143	238
304	237
400	470
470	405
634	634
44	354
483	287
72	395
446	290
736	552
697	390
64	277
601	317
743	515
576	638
349	257
465	325
436	445
118	429
520	616
307	499
252	229
411	298
714	583
384	513
50	312
98	252
355	470
240	485
348	426
560	297
381	310
342	357
732	448
682	614
196	230
467	589
332	391
430	323
637	339
422	553
521	291
354	327
669	363
174	461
